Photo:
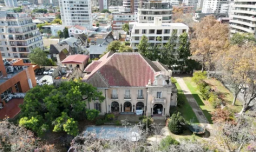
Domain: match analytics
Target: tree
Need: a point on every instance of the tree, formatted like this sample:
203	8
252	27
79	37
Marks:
166	142
114	46
169	54
39	57
176	123
60	34
242	38
65	32
207	42
105	11
58	107
234	136
57	16
16	138
40	10
124	48
17	10
125	27
92	114
58	21
143	46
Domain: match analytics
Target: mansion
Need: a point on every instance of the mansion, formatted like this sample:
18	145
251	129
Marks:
131	84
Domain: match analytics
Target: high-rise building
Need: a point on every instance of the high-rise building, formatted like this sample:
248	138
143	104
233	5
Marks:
213	6
199	4
191	3
149	10
103	4
131	5
76	12
243	18
10	3
18	35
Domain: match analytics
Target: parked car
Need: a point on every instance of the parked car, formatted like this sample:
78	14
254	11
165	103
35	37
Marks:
51	72
39	71
46	72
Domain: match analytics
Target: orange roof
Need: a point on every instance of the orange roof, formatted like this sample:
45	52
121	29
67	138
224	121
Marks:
78	58
79	27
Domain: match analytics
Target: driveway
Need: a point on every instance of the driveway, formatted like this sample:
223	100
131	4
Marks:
197	110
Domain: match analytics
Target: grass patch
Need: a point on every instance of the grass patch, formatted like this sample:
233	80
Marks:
205	106
227	96
186	109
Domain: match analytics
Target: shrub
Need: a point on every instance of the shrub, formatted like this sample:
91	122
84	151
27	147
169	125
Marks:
147	122
216	103
199	76
181	100
212	97
127	43
100	122
142	117
173	80
109	116
205	92
118	123
92	114
166	142
176	123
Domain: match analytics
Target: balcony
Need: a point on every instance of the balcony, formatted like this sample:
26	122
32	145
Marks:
140	97
159	100
127	96
114	96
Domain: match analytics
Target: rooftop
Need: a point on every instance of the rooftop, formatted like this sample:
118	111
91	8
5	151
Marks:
78	58
11	109
122	69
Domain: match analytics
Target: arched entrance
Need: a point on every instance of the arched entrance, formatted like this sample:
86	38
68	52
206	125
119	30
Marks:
158	109
114	106
139	108
127	106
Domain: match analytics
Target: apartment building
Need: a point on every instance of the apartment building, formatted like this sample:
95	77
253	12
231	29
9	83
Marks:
173	2
18	35
11	3
131	84
76	12
191	3
214	6
15	77
149	10
243	18
120	19
131	5
103	4
158	33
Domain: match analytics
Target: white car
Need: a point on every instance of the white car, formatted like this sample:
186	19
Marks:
46	72
51	72
139	111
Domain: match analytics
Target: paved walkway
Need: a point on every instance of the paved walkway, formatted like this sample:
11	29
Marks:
191	100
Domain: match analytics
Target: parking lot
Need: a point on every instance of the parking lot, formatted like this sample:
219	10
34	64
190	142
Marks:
44	79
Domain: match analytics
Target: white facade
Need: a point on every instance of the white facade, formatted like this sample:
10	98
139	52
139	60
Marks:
155	30
10	3
213	6
224	8
120	19
77	30
199	4
243	18
172	2
149	10
18	35
54	29
76	12
190	3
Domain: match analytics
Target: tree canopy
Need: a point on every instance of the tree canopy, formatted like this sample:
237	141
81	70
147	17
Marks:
105	11
17	10
57	107
125	27
65	32
114	46
39	57
40	10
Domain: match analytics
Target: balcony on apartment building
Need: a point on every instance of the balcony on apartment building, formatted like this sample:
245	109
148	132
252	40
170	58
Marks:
140	97
127	96
156	5
114	96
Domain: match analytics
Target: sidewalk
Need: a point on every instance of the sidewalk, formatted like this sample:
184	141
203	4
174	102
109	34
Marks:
197	110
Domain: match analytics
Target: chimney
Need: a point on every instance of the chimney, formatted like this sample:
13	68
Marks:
158	21
2	67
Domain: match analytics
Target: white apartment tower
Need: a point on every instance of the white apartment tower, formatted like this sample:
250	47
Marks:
10	3
76	12
149	10
214	6
191	3
243	17
158	33
18	35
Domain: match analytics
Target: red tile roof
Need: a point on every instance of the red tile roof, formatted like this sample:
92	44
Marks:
79	27
11	109
123	69
78	58
92	66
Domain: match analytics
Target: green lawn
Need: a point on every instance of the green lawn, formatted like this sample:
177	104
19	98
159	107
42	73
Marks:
206	107
186	109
